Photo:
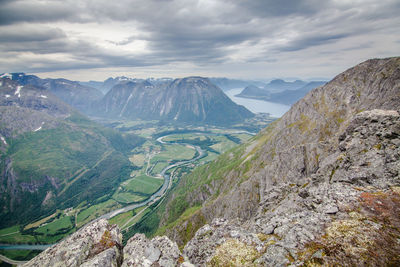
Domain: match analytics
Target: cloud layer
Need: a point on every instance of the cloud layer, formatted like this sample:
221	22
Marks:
235	38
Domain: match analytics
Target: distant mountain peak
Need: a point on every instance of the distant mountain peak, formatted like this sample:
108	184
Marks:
277	81
189	100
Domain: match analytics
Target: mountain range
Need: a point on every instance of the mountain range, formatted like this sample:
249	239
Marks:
109	83
223	83
187	100
228	84
280	91
71	92
279	85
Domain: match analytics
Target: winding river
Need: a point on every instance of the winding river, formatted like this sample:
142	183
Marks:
163	189
156	196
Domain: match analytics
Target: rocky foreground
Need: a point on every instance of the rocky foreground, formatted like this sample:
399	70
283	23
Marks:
347	213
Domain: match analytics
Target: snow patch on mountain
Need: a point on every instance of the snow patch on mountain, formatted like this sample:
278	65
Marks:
38	129
18	91
6	75
3	139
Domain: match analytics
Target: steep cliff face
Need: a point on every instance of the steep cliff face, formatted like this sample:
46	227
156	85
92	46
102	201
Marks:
286	154
189	100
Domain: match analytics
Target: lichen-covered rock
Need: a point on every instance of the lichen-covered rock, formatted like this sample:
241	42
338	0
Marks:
223	243
97	244
159	251
110	257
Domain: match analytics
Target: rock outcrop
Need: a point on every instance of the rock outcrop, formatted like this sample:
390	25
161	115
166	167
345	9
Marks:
98	244
160	251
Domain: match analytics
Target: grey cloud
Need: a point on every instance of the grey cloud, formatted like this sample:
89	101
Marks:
89	58
268	8
179	31
29	34
309	41
37	11
358	47
199	43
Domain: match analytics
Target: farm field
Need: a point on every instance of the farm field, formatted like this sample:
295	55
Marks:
92	212
13	235
18	254
125	219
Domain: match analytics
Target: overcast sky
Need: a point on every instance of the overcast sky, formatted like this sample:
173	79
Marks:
257	39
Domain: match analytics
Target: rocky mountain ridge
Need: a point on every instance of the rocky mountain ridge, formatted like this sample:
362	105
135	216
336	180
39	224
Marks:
28	108
71	92
100	244
109	83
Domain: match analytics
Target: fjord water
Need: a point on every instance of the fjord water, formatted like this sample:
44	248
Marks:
24	246
257	106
